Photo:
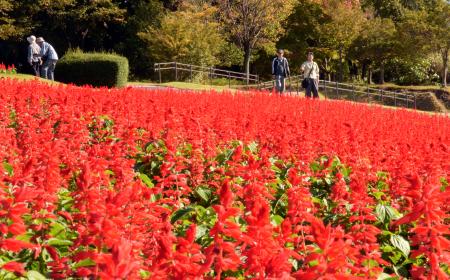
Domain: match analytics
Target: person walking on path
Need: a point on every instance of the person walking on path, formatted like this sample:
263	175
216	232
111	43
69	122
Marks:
50	58
280	70
33	55
311	73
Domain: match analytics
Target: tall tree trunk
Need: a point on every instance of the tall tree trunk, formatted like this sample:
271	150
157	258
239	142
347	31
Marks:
341	67
83	38
445	64
363	70
369	75
247	55
382	73
327	72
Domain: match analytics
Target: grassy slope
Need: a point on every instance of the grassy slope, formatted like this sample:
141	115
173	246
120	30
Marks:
25	77
411	88
183	85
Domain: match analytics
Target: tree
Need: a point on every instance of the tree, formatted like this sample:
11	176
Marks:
428	31
140	16
254	24
377	42
78	21
392	9
189	35
302	31
439	20
6	23
346	19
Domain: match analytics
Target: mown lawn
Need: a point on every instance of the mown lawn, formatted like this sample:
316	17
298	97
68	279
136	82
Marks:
25	77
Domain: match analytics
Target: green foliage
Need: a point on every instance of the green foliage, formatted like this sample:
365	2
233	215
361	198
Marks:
410	72
342	29
254	24
7	27
97	69
302	31
189	35
392	9
376	41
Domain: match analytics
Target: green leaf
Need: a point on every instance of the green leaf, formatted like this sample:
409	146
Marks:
385	276
253	147
59	242
380	212
57	230
25	237
205	194
146	180
201	231
392	213
378	195
276	220
144	274
400	243
8	167
181	213
83	263
313	263
34	275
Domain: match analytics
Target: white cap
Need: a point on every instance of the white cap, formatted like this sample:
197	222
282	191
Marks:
31	39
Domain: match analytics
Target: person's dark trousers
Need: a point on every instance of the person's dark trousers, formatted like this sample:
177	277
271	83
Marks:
313	86
36	66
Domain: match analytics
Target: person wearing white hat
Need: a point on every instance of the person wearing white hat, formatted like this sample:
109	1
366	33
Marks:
33	55
50	58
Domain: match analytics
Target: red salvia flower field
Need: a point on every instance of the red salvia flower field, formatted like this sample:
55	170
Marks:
167	184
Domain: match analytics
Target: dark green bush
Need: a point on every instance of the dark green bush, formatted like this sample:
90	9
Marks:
403	72
96	69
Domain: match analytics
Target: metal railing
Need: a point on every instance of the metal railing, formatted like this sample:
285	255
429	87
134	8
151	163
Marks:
354	92
331	90
211	72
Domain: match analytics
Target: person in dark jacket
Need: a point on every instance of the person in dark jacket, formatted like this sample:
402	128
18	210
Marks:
280	70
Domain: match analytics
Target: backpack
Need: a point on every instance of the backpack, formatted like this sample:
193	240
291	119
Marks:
280	67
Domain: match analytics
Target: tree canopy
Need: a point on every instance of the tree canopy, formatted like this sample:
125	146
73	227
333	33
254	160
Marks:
349	37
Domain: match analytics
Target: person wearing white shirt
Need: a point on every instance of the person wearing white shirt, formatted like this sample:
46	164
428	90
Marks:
311	72
33	55
50	58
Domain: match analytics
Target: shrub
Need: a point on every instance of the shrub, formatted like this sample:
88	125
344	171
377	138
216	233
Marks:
96	69
410	72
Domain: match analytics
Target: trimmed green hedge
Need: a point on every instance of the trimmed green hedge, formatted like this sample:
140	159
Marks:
96	69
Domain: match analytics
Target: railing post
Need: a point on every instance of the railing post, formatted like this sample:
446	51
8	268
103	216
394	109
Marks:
353	92
382	99
159	72
337	90
368	94
415	101
210	75
229	79
395	99
176	72
190	73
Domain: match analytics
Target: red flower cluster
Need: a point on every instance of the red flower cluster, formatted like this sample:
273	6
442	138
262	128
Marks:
7	69
135	184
